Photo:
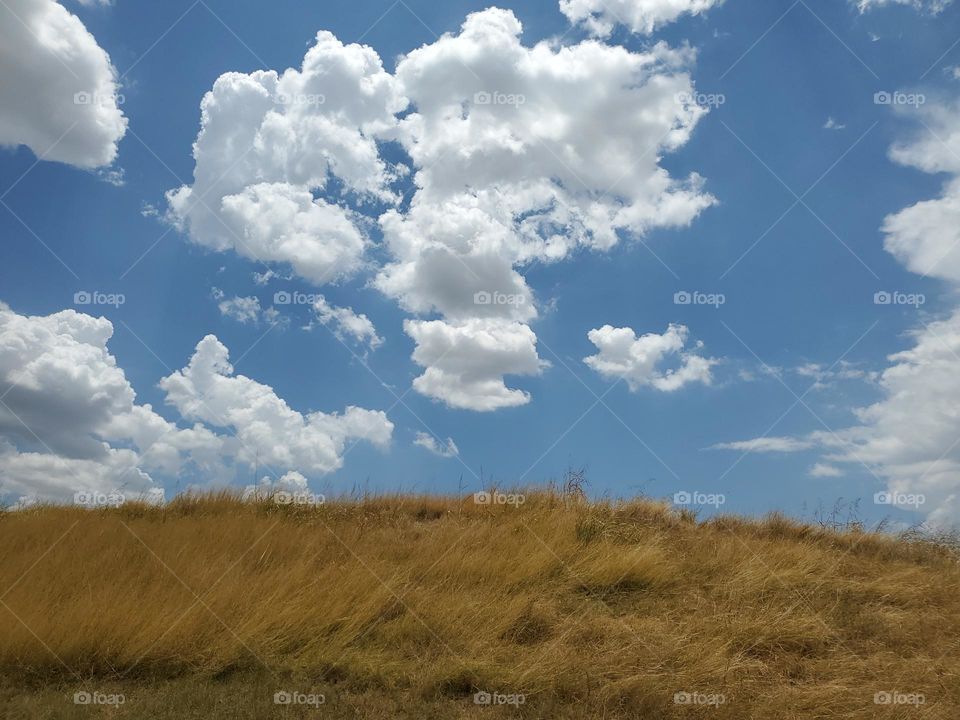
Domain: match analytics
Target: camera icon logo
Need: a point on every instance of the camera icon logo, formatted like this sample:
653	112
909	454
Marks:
882	298
482	698
281	297
82	698
282	697
682	298
682	698
482	298
882	98
482	498
682	498
883	498
82	98
82	298
482	98
283	498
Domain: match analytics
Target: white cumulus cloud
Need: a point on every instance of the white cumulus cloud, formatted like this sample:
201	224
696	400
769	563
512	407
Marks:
641	360
269	144
268	429
466	362
59	92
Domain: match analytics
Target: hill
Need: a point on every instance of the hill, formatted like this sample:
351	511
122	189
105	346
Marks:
550	606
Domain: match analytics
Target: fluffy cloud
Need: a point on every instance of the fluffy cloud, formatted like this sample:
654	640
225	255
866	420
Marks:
70	412
447	450
910	436
639	360
641	16
270	143
925	237
59	91
268	429
563	140
69	420
465	362
522	154
346	324
519	155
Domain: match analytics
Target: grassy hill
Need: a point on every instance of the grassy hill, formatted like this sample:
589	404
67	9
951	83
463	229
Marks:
434	607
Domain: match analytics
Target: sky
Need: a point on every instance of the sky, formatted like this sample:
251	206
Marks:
708	250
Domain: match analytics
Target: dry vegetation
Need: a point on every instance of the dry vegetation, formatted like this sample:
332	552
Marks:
408	606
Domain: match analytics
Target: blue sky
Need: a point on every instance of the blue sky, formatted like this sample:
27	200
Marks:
794	152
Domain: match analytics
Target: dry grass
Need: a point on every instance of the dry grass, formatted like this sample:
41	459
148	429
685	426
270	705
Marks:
407	606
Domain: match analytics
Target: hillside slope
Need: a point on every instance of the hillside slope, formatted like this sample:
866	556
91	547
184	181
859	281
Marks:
438	607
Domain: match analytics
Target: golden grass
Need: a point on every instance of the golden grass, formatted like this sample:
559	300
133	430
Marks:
408	606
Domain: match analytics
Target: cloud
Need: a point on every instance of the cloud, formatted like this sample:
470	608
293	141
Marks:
69	420
925	237
59	92
268	429
518	155
466	362
291	482
241	309
767	445
821	470
69	411
429	442
825	377
556	140
832	124
346	324
639	360
246	310
931	6
269	143
640	16
908	438
522	155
